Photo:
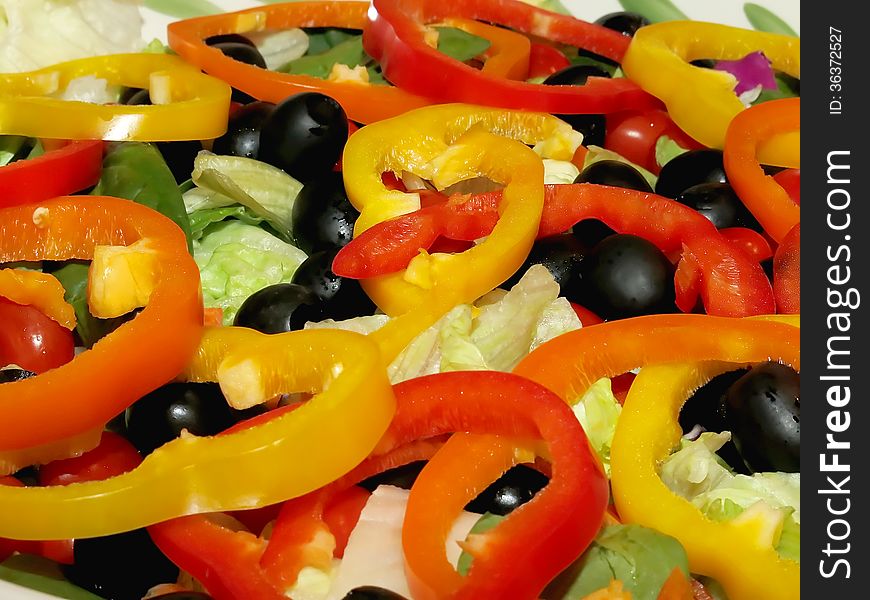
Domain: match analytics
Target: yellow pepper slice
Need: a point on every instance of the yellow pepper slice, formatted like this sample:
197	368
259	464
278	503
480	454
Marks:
447	144
40	290
188	105
255	467
702	101
646	433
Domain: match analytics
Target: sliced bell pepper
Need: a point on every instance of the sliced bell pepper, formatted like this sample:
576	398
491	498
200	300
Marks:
646	433
508	52
539	539
763	196
362	103
187	104
447	144
39	290
544	60
730	282
613	348
137	357
339	424
702	101
787	273
66	170
396	37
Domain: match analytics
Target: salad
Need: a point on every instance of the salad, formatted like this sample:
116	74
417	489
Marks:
336	300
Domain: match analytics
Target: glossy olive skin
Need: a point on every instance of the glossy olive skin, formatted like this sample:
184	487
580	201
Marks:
120	567
626	276
688	169
305	135
402	477
342	298
372	592
575	75
593	127
246	53
323	217
510	491
561	255
243	131
614	173
719	204
706	407
10	375
626	23
763	409
160	416
234	38
180	157
279	308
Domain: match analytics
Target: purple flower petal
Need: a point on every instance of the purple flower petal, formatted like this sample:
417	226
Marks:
752	70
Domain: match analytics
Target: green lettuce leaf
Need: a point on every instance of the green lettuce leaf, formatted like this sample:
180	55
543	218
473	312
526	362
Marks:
41	575
137	172
236	259
266	191
460	45
321	39
201	219
641	558
667	150
598	411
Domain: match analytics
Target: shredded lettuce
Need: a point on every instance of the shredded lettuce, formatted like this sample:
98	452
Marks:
559	171
698	474
667	150
39	33
236	259
598	411
266	191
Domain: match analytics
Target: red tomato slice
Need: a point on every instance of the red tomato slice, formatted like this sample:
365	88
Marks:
32	340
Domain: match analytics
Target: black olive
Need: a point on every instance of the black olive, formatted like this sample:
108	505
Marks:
10	375
304	135
561	255
403	477
182	596
246	53
279	308
179	157
626	23
719	204
593	127
688	169
234	38
706	407
614	173
372	592
243	131
29	476
342	298
323	217
590	232
136	97
509	492
764	411
120	567
626	276
160	416
575	75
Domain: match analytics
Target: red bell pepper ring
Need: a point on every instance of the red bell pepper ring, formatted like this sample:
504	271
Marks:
787	273
67	170
729	282
544	60
749	241
395	37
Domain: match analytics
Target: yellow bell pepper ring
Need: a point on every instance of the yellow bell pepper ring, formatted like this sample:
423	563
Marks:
702	101
265	464
646	433
187	105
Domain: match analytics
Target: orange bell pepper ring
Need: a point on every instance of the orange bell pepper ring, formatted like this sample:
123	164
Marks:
763	196
362	102
140	258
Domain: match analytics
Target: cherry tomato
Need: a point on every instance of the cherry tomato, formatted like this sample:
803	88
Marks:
634	136
32	340
751	242
787	273
790	180
544	60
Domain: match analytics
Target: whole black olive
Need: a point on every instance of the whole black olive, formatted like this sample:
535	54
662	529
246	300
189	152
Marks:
323	217
403	476
243	131
575	75
246	53
561	255
372	592
342	298
179	157
688	169
626	23
235	38
304	135
510	491
719	204
764	416
614	173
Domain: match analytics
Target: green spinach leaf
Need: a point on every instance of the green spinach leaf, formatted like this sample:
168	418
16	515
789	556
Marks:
460	45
